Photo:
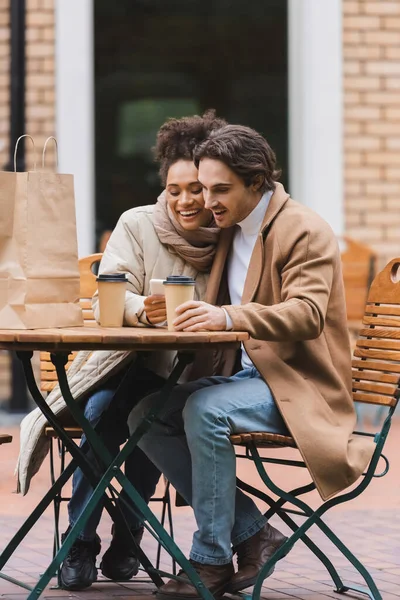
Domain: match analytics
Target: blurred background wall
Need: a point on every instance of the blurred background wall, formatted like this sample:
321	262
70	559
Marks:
371	94
371	53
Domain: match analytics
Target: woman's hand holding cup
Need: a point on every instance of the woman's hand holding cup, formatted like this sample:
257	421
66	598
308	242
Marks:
156	311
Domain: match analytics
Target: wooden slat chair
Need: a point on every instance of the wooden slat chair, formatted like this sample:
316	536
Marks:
5	438
48	378
376	380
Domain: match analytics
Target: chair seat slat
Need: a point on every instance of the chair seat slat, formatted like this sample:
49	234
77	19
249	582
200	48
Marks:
73	432
90	323
88	314
85	303
48	376
374	376
376	366
379	388
262	439
45	356
374	332
48	386
391	309
381	321
379	344
46	366
379	354
373	399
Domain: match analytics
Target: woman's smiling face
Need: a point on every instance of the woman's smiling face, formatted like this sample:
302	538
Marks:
185	195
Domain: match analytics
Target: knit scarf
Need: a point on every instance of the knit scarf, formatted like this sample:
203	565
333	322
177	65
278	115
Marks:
195	247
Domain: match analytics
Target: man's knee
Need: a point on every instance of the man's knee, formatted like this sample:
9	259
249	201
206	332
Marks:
202	409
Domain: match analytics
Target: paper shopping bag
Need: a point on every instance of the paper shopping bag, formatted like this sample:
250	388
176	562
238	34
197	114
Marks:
39	274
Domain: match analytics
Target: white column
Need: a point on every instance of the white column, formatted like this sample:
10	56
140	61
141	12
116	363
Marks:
315	107
75	109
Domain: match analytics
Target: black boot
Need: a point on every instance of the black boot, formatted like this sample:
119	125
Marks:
78	570
119	561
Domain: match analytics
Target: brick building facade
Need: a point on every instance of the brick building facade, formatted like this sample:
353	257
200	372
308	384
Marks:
40	81
371	50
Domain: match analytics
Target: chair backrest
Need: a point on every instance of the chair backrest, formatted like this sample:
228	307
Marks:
48	375
358	266
376	362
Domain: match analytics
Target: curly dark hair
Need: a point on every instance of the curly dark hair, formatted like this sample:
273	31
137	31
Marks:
177	138
243	150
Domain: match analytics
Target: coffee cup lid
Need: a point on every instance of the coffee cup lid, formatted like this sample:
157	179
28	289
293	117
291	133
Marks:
117	277
179	280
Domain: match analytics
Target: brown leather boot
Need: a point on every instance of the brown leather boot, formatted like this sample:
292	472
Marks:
252	554
215	577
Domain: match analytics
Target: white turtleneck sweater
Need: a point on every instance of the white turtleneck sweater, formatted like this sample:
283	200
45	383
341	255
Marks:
239	258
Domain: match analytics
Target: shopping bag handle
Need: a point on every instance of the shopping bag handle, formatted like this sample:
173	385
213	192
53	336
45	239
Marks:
16	148
44	149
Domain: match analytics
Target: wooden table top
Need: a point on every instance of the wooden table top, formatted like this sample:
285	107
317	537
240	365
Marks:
115	338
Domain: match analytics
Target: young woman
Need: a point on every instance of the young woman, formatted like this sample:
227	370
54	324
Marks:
176	236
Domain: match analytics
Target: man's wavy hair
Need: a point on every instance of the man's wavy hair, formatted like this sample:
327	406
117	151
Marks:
244	151
177	138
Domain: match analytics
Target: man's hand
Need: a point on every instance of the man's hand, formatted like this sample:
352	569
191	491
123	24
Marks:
155	308
199	316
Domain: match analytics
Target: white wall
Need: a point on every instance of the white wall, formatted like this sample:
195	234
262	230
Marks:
75	109
315	107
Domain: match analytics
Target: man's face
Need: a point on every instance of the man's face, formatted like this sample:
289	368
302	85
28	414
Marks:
225	193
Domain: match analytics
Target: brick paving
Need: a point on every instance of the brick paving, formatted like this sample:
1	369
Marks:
370	526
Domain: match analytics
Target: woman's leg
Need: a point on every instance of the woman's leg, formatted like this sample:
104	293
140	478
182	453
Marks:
81	487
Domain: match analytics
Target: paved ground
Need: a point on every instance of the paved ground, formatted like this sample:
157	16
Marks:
370	525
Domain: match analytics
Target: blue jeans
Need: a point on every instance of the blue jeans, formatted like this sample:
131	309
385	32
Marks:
201	465
111	417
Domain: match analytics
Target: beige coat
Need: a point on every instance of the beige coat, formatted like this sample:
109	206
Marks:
293	306
134	249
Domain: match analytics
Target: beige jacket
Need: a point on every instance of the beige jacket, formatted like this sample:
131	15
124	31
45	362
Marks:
134	249
293	306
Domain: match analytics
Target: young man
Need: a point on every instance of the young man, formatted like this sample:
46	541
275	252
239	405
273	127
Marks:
276	275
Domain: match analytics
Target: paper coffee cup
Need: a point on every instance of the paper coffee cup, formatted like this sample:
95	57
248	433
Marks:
111	290
178	289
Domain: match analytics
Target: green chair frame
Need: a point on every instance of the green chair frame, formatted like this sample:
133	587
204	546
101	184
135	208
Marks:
376	380
57	447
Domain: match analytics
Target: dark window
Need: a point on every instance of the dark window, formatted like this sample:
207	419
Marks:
156	59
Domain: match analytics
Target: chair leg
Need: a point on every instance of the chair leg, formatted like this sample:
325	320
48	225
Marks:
57	499
170	522
166	514
35	515
52	479
313	519
276	508
373	591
